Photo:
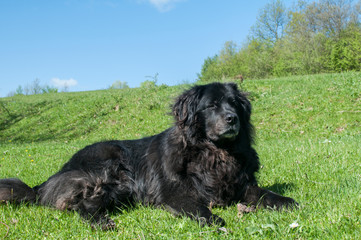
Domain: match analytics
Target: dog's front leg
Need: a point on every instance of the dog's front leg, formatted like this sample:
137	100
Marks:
181	204
257	196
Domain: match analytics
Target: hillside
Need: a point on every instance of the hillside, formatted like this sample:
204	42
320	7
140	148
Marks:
308	136
288	103
83	115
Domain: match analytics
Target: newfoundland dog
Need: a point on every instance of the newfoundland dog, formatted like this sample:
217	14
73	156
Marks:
205	158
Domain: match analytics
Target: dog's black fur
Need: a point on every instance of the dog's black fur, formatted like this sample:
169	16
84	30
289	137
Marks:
206	157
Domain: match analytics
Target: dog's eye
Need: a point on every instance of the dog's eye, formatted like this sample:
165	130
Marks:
211	106
233	101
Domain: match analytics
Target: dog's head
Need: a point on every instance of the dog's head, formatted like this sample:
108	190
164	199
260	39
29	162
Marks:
216	112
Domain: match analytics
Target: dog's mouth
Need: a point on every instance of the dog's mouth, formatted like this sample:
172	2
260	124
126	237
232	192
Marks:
230	133
223	132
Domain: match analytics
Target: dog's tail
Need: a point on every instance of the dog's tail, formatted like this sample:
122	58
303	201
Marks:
15	191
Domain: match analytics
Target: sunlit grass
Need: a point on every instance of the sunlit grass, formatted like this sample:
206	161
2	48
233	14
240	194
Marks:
308	136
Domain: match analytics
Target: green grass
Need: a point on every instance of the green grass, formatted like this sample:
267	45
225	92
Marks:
308	136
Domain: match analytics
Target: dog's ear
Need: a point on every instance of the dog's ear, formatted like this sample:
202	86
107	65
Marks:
246	105
185	107
242	101
246	109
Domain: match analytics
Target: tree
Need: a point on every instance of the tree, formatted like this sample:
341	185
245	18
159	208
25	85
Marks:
208	71
346	52
19	90
228	51
35	87
227	64
119	85
332	16
313	31
49	89
304	46
271	22
313	37
258	56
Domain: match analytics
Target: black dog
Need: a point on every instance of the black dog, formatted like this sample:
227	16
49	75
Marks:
205	158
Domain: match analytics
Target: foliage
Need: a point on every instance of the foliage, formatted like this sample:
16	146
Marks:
209	70
271	22
33	88
119	85
346	52
148	84
308	132
151	82
49	89
313	37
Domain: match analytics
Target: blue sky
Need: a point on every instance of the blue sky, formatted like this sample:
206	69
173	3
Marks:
89	44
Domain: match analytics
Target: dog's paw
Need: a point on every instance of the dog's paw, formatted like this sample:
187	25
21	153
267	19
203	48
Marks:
290	204
104	223
285	203
211	221
215	220
109	225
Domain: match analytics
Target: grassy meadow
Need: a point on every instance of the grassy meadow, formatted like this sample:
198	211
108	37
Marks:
308	136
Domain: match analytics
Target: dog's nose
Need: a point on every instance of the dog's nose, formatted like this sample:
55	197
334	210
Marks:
231	118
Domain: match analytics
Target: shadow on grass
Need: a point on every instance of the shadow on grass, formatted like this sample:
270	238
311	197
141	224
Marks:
35	131
280	188
28	110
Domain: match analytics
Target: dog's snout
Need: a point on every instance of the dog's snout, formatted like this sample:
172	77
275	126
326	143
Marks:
231	118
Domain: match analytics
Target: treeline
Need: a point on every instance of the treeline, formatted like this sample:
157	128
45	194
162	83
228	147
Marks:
311	37
32	89
36	88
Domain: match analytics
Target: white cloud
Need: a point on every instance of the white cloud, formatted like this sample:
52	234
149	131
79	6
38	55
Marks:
164	5
64	83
